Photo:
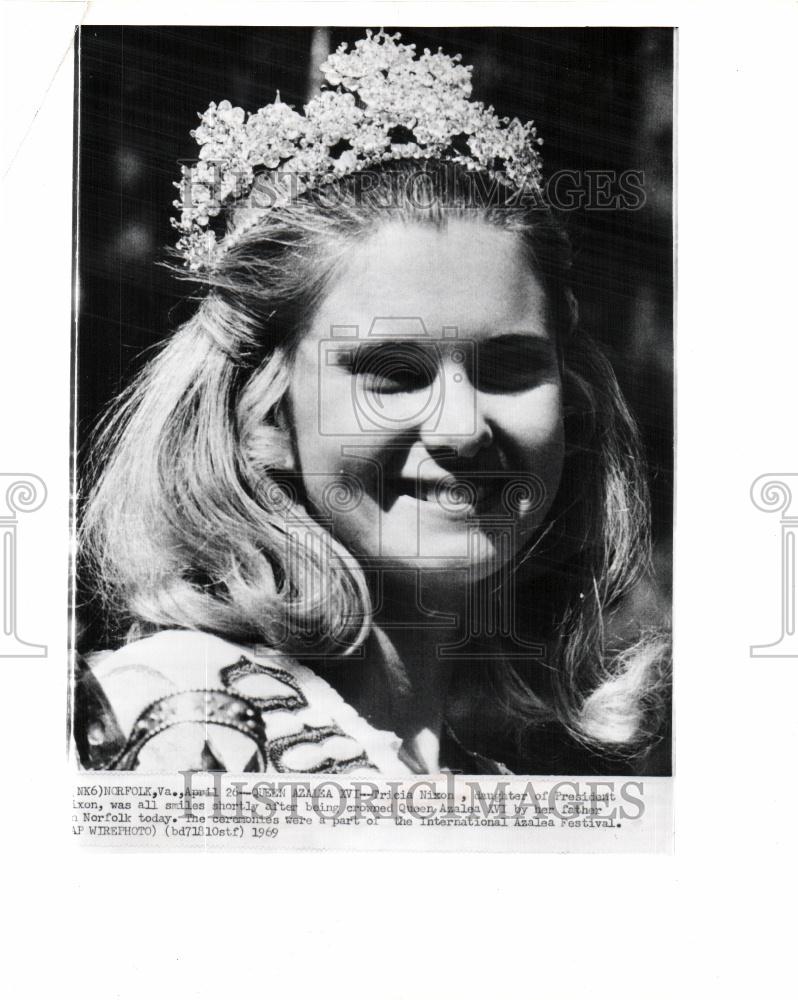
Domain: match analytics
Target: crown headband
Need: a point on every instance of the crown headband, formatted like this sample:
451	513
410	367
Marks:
379	103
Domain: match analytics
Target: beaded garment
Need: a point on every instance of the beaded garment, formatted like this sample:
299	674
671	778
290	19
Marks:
181	699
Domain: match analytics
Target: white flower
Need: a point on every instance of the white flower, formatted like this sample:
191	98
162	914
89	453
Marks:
370	138
448	70
275	154
230	116
346	163
333	116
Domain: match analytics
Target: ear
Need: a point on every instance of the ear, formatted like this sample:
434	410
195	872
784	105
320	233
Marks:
268	447
280	415
263	425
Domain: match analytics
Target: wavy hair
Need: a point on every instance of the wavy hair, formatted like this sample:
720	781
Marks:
192	519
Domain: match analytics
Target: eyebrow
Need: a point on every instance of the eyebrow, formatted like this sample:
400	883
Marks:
481	336
518	344
349	353
532	336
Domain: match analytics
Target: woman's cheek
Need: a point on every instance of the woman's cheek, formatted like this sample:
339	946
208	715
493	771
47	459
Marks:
535	420
538	437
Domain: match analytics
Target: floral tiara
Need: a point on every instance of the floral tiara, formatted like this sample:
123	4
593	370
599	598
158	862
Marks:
379	103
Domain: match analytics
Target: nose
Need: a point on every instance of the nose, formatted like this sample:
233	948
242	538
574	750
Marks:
460	420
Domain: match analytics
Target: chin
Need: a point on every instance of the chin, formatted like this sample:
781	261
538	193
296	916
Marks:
461	558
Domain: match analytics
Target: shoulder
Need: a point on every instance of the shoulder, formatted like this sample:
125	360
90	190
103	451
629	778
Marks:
175	651
175	657
191	699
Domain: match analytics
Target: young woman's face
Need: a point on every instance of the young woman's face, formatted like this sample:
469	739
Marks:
426	400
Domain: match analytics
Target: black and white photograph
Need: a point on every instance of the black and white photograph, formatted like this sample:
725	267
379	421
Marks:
398	498
374	400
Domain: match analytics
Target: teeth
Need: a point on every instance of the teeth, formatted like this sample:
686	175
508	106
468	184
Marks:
457	493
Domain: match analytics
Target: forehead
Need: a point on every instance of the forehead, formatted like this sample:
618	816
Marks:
469	275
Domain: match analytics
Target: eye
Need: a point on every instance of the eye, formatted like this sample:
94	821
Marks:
514	363
394	367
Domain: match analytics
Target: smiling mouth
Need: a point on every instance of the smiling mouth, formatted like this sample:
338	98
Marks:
454	495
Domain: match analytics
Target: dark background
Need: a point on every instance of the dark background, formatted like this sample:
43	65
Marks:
601	98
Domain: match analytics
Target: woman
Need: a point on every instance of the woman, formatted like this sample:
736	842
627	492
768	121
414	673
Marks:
372	507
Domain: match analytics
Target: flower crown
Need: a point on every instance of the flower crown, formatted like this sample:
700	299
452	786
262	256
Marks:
380	102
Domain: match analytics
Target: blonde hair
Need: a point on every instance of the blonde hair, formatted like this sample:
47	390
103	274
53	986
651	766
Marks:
186	521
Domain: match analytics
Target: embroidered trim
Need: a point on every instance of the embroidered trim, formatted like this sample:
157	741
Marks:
225	705
242	713
315	734
202	706
248	668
